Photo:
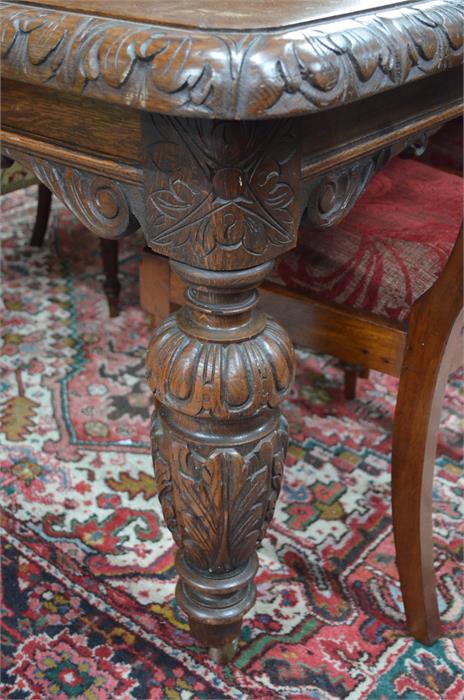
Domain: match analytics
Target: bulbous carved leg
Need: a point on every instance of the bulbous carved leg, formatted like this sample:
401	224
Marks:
219	369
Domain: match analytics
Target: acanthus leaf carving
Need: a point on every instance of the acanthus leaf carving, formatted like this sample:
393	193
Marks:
218	501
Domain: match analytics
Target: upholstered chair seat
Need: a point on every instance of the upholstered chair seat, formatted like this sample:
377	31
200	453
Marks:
389	250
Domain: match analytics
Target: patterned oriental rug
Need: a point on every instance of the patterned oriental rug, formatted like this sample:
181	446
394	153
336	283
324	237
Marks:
88	577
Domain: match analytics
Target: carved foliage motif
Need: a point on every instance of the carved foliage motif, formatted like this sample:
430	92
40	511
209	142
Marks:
332	196
219	502
202	379
99	203
213	187
232	75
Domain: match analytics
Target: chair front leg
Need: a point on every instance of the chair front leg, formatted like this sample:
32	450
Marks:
434	333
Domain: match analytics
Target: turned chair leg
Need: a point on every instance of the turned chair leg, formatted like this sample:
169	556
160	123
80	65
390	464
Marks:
109	252
44	200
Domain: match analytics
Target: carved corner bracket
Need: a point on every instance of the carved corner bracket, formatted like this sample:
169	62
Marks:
105	206
332	195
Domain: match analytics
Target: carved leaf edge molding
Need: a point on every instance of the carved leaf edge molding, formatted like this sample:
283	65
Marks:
231	75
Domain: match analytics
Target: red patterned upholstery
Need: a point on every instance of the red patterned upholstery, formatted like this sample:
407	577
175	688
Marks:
389	250
445	149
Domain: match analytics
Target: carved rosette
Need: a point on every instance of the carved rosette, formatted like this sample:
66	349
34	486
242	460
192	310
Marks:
221	195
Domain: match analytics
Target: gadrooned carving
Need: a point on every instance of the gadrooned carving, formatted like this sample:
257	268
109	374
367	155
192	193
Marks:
218	501
99	203
213	187
232	75
221	380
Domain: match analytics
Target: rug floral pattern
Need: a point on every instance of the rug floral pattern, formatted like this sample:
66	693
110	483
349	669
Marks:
88	607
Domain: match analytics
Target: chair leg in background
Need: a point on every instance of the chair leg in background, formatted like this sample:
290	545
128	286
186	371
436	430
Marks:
109	252
413	460
44	200
351	374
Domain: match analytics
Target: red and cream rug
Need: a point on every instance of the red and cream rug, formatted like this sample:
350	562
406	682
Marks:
88	606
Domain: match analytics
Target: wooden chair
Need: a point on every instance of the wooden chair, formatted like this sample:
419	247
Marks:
14	177
417	340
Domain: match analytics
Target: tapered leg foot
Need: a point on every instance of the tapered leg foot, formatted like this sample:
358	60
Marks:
413	461
434	333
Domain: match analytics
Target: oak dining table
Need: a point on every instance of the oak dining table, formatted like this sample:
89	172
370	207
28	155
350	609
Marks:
213	126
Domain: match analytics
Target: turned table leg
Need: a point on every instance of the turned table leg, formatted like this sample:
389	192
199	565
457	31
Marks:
221	201
219	370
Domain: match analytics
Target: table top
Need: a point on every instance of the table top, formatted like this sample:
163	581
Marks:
238	60
235	15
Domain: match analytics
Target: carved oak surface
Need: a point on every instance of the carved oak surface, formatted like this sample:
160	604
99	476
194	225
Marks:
100	203
221	193
215	189
218	504
231	75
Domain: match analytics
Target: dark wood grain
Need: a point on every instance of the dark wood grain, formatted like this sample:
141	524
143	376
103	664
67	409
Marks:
90	129
219	370
211	15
